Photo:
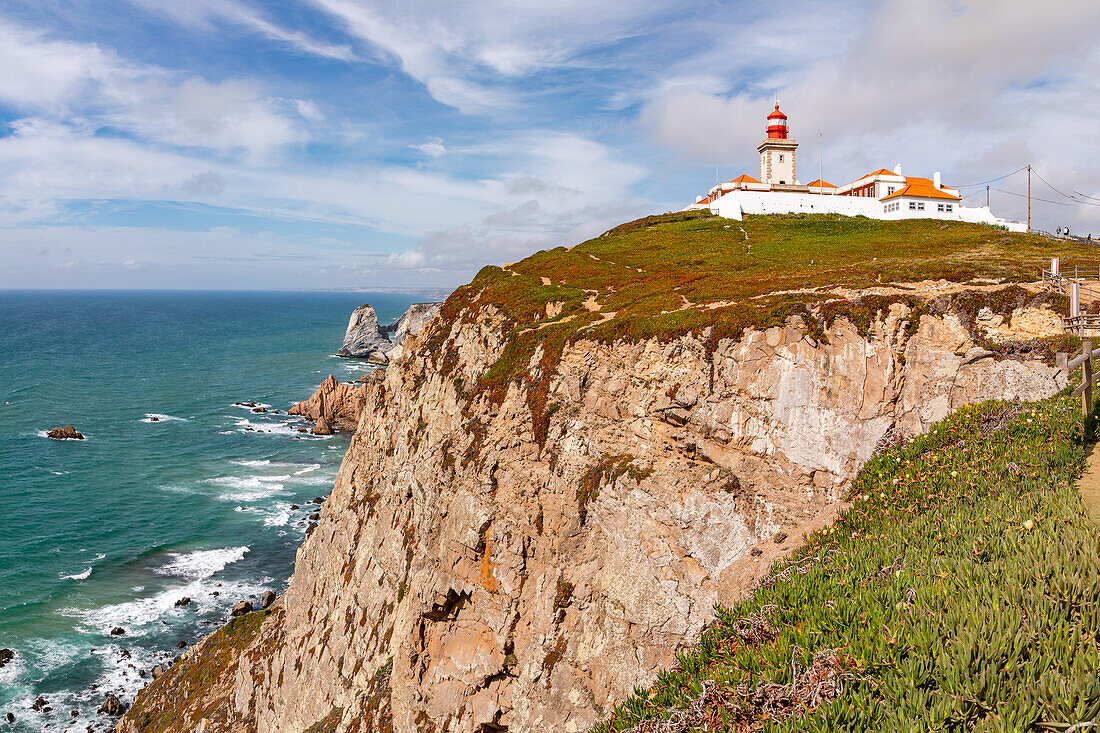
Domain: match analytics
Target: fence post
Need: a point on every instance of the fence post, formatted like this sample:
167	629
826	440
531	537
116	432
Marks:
1074	299
1086	395
1061	359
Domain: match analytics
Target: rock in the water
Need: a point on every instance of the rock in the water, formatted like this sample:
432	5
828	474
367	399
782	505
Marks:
315	516
241	608
412	321
183	601
66	433
156	671
118	631
40	703
267	598
10	717
181	644
340	404
112	706
322	427
6	655
363	338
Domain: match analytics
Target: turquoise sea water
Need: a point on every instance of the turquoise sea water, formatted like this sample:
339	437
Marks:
113	530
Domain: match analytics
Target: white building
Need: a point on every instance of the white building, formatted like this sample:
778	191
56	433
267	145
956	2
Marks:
881	194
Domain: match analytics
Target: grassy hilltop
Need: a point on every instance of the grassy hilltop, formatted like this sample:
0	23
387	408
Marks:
695	273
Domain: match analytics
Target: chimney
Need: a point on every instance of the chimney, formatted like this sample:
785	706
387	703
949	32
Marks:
897	169
936	180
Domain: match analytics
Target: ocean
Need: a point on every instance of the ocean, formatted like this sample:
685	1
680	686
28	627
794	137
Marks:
113	530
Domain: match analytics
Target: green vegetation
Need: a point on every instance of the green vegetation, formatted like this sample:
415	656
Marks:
692	272
605	471
960	592
186	693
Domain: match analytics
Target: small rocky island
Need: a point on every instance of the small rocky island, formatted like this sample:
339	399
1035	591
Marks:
365	339
66	433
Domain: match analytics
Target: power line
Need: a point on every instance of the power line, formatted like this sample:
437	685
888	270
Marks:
1052	188
992	180
1033	198
1087	197
1074	199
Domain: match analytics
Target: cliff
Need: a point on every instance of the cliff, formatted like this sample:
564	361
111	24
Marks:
585	451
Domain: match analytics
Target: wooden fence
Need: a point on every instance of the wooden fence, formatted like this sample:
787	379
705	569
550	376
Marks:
1083	360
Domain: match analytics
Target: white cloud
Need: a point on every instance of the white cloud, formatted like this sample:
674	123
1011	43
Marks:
82	84
206	14
462	51
432	148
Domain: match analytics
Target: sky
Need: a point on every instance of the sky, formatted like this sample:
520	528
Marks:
332	144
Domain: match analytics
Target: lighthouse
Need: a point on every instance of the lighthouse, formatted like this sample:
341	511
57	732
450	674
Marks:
777	152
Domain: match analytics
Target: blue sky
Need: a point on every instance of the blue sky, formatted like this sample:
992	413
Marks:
362	143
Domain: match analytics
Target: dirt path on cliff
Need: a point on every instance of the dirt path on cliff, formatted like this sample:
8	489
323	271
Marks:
1089	485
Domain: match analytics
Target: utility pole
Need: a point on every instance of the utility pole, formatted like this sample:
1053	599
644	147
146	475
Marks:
987	197
820	166
1029	197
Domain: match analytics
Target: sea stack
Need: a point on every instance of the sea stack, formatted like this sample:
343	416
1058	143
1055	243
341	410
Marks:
364	339
66	433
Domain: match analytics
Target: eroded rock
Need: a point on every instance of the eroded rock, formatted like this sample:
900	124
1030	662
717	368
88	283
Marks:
66	433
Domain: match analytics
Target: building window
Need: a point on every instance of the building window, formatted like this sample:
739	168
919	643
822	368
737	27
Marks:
949	207
912	205
939	207
781	157
920	206
889	190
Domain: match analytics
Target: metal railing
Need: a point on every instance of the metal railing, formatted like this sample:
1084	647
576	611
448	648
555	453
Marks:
1083	290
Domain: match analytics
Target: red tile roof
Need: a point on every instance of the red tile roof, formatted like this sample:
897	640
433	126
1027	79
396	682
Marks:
820	184
744	178
879	172
922	188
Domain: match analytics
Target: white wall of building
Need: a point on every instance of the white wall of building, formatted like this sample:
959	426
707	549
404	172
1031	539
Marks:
735	204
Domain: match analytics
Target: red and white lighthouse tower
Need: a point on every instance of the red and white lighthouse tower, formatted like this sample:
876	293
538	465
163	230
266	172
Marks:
777	152
777	124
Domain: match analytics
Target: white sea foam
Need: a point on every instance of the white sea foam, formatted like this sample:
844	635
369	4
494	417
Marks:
201	563
308	469
253	464
162	418
254	406
270	427
87	573
277	516
250	488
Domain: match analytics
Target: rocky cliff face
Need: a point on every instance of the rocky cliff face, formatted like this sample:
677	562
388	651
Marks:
479	567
